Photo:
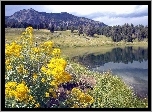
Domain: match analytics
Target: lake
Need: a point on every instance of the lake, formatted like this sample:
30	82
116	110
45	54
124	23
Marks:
129	63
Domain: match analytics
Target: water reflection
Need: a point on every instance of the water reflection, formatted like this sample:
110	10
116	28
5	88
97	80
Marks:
130	63
117	55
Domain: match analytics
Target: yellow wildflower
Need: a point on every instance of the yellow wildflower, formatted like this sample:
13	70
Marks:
34	76
82	98
35	50
20	68
23	33
7	61
76	92
37	105
21	92
24	71
62	62
66	77
54	83
10	89
33	101
48	72
47	47
47	94
13	49
54	94
75	106
29	30
30	98
43	80
23	82
9	67
50	90
56	53
43	69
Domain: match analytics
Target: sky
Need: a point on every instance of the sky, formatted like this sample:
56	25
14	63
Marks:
108	14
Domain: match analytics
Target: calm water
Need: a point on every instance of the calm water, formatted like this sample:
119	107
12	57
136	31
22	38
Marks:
131	64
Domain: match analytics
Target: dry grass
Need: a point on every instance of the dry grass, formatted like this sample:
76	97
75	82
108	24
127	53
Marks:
79	51
68	39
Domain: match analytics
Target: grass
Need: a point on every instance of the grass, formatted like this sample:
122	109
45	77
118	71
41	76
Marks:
64	39
80	51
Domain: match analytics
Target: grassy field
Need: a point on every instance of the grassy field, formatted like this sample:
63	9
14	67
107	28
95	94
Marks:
68	39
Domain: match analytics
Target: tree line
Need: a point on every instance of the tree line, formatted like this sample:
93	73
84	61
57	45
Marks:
126	32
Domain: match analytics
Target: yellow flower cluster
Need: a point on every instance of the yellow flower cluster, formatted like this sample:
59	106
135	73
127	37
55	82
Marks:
47	47
10	89
32	100
21	92
27	37
35	50
9	67
37	105
56	53
21	69
56	68
62	78
18	91
7	61
34	76
43	80
29	30
83	98
57	65
8	64
75	106
13	49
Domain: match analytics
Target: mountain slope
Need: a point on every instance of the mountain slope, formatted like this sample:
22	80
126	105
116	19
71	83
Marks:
33	17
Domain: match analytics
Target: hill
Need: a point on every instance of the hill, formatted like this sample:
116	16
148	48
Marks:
30	16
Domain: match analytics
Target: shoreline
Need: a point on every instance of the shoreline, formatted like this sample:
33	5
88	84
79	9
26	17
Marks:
81	69
114	44
139	95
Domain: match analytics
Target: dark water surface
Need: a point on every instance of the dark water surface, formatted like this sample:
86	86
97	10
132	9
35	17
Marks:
129	63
